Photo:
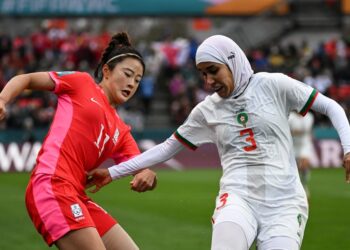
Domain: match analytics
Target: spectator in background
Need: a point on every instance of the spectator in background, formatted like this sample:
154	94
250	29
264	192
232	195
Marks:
276	59
301	129
261	196
58	46
177	85
28	126
5	44
180	108
320	81
2	80
146	91
85	132
260	62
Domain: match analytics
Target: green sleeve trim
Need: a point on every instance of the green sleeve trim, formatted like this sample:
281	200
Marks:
184	141
309	103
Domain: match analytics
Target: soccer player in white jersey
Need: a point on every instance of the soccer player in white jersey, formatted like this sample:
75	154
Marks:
261	196
301	129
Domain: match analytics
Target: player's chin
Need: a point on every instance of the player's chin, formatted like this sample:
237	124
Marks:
223	93
121	99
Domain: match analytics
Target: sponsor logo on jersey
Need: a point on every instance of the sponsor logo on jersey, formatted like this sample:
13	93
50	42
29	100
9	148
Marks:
115	136
231	56
94	100
76	210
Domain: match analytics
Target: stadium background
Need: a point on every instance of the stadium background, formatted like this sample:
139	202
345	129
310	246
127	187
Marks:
306	39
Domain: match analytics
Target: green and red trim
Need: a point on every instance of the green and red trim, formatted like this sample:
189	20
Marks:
309	102
184	141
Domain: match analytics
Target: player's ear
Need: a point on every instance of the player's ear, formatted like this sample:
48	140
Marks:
105	71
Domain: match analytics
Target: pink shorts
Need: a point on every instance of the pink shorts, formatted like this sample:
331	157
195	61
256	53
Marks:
56	207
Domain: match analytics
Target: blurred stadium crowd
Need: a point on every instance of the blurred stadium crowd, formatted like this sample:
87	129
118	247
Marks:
170	69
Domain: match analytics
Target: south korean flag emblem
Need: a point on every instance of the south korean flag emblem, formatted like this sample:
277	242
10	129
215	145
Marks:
76	210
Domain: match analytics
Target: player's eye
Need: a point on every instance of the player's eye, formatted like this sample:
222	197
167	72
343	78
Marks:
213	70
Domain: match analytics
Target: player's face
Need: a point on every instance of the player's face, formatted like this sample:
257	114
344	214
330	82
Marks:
217	77
121	83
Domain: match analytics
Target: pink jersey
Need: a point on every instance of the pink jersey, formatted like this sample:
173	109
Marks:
85	131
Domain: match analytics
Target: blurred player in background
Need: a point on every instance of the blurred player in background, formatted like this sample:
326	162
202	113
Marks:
85	132
261	196
301	129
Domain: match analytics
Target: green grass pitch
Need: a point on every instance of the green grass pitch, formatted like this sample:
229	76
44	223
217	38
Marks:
176	216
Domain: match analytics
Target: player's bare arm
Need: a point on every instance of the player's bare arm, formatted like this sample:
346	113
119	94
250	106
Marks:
35	81
2	108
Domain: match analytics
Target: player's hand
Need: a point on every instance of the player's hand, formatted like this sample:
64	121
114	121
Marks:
144	180
2	109
303	164
98	177
346	165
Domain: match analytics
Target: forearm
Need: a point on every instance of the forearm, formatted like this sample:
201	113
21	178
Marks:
35	81
337	115
14	87
158	154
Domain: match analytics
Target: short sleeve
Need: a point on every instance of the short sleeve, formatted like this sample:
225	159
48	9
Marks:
67	81
298	95
195	131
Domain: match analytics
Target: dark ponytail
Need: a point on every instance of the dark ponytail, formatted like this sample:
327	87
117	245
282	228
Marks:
119	45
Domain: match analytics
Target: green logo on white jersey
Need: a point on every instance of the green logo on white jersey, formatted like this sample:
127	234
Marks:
242	118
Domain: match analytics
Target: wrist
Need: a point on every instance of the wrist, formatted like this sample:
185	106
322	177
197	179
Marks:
113	173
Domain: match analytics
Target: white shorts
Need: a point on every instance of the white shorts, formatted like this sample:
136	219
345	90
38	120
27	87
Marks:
262	221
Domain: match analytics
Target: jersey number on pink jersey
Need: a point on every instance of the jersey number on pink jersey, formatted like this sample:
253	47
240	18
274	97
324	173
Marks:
100	144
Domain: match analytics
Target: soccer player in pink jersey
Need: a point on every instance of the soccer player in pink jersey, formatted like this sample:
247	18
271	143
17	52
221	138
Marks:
86	130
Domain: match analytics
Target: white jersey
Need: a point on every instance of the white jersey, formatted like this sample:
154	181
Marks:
253	137
301	128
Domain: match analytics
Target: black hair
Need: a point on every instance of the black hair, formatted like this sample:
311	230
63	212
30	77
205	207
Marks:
119	44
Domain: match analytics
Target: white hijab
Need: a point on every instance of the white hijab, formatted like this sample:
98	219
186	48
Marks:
223	50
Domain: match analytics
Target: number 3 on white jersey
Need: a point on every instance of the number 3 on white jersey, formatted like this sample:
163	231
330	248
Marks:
99	143
250	139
